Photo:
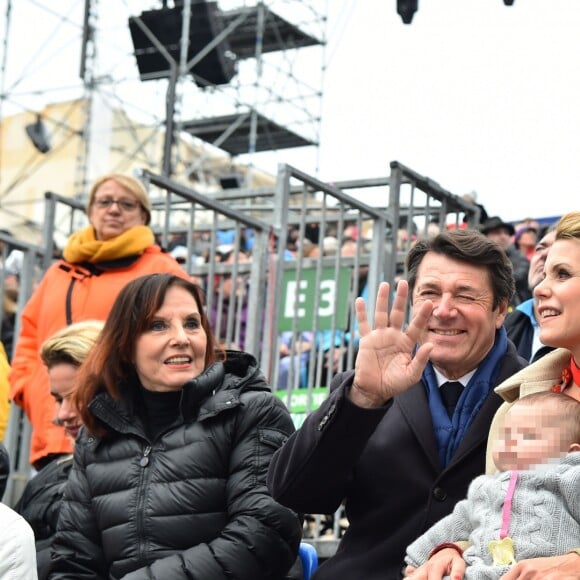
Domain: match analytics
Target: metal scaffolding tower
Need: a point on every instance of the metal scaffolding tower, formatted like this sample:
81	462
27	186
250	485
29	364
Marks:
169	86
257	73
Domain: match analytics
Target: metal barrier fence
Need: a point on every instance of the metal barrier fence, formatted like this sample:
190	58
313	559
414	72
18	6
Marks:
234	305
293	310
29	264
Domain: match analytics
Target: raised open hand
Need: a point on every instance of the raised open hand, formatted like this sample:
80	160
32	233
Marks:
385	364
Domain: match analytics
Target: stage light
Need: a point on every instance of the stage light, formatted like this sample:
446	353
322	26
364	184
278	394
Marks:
38	134
232	181
406	9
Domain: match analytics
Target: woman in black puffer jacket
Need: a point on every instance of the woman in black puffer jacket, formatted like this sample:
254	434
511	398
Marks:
168	480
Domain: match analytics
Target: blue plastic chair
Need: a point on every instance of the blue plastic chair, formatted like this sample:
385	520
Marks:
308	558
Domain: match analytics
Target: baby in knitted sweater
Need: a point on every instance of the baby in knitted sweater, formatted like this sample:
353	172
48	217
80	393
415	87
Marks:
531	508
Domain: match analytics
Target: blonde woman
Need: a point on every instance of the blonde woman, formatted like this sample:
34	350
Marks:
62	354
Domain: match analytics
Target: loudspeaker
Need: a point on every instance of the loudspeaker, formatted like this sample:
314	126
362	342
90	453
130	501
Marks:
216	68
38	135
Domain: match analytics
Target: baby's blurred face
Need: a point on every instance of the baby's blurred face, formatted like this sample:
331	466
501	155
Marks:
531	436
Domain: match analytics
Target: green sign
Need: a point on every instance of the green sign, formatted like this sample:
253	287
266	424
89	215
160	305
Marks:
298	403
299	296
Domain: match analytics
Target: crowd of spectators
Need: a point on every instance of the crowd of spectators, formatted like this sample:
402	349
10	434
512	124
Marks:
519	241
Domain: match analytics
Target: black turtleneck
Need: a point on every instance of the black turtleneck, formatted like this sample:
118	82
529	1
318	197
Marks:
160	410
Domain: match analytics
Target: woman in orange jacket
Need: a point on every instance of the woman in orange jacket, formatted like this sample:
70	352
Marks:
98	261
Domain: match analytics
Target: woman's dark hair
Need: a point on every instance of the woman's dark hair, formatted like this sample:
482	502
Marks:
109	366
471	247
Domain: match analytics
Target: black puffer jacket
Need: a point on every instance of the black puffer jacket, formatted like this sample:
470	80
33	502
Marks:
192	504
40	505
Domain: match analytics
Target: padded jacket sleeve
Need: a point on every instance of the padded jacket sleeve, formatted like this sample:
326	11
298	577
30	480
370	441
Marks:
310	455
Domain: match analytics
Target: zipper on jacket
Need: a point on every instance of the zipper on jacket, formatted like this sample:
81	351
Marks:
145	459
143	485
68	302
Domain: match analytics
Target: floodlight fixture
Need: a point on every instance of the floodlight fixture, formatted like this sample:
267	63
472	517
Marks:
38	134
406	9
232	181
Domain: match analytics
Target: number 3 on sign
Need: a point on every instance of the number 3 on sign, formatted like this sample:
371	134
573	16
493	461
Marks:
327	298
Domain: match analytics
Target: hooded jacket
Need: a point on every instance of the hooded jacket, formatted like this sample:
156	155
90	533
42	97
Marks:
191	504
543	518
540	376
68	293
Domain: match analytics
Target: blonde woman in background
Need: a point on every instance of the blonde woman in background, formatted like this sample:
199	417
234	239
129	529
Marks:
62	354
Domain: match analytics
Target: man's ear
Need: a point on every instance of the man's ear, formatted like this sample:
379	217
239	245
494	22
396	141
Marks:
502	313
574	447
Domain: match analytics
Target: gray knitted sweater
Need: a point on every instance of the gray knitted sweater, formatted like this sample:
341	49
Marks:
545	518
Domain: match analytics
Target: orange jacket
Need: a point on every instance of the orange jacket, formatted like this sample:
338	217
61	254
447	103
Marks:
67	293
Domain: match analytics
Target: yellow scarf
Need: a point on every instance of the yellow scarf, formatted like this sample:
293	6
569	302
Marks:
84	247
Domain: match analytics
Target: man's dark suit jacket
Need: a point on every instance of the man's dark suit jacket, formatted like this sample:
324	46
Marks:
384	464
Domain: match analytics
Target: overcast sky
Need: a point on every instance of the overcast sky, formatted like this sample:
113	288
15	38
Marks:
473	94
